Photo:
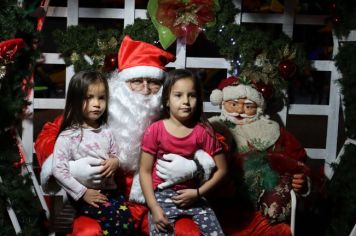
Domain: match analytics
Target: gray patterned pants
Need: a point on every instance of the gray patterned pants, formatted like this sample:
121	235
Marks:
200	212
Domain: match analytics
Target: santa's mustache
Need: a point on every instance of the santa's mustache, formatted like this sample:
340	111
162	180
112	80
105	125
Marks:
242	115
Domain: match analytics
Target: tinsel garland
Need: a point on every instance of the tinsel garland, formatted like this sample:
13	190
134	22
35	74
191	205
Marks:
15	22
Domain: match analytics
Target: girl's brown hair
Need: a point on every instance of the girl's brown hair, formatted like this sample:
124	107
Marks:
76	96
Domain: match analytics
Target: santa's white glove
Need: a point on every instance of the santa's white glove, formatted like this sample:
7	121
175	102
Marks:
86	171
207	162
175	169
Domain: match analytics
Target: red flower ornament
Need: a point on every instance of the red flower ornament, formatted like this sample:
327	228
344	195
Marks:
184	18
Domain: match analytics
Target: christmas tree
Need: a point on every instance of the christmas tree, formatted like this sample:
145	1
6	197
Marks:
17	57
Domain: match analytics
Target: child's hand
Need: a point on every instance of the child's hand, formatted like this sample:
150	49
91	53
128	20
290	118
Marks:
185	197
94	197
109	166
160	220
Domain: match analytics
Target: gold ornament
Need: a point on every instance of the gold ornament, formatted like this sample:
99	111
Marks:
74	57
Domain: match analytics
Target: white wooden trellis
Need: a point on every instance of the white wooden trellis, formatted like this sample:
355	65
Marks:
287	19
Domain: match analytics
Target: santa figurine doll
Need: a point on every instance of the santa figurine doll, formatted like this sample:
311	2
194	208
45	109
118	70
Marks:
269	159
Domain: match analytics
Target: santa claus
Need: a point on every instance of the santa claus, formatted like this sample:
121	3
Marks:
134	103
270	158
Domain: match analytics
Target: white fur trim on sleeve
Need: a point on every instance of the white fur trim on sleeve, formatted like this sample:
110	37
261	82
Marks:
206	161
136	194
48	183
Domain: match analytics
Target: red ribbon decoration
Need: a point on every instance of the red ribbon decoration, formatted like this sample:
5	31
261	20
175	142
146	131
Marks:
9	48
40	21
185	20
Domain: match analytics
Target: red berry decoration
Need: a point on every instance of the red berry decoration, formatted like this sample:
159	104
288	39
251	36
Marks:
265	89
110	62
287	69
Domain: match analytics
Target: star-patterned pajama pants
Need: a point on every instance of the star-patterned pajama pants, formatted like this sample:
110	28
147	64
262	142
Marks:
200	212
113	216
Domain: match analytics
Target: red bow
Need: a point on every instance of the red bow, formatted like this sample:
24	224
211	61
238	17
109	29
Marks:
185	20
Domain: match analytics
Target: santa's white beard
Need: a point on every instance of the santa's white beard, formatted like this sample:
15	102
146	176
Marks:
129	115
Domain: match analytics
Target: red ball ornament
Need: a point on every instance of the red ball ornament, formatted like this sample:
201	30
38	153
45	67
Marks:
287	69
110	62
265	89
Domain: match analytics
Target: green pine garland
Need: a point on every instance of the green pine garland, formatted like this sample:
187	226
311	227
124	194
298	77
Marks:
248	44
77	41
14	22
341	189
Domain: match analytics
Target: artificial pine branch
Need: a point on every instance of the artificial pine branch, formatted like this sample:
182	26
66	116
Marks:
14	22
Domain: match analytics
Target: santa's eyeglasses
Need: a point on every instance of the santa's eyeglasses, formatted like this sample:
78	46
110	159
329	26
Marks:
142	84
241	104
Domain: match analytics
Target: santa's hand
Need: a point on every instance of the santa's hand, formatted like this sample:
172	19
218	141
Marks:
298	182
174	169
86	170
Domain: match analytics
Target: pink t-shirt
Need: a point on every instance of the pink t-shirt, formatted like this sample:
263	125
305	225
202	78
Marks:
157	141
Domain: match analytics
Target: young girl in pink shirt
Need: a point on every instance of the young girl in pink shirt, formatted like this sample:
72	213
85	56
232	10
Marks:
182	130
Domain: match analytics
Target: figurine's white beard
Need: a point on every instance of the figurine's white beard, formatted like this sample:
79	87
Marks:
129	115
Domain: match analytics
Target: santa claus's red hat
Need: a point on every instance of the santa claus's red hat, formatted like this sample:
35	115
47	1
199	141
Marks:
142	60
230	89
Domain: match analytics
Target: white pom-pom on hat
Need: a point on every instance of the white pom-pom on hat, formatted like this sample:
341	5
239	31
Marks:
216	97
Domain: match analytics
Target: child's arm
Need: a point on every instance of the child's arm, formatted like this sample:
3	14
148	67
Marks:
60	168
159	218
186	197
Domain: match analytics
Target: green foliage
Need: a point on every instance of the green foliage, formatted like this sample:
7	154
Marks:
77	41
244	44
15	22
341	190
346	11
345	62
142	30
341	195
248	44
